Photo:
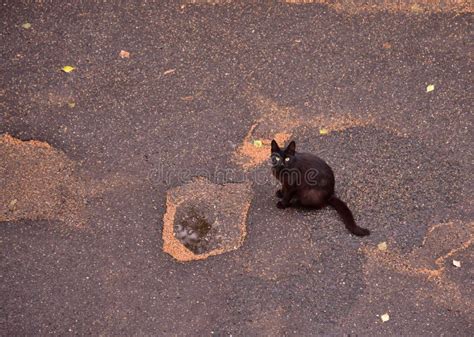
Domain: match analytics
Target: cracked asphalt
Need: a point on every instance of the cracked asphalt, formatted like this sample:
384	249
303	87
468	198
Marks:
87	158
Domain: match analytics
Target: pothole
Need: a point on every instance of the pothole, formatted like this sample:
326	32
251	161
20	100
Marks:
193	229
203	219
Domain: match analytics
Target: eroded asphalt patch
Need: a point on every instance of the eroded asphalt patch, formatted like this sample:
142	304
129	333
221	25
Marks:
93	193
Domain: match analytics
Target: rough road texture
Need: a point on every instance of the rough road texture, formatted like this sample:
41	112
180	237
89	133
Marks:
203	219
81	247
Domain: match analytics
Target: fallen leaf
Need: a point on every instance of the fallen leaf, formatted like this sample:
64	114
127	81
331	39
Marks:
26	25
382	246
430	88
71	104
11	205
385	317
387	45
67	69
457	263
187	98
323	131
416	8
169	71
124	54
257	143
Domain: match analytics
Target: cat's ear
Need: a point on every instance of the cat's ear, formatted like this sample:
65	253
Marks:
275	147
290	149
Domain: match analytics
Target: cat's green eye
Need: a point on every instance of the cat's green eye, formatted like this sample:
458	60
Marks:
287	159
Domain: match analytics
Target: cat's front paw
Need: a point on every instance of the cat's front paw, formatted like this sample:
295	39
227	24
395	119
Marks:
279	194
281	205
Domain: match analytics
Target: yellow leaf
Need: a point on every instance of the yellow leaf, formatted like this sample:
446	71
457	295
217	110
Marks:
71	104
12	205
382	246
26	25
257	143
323	131
430	88
416	8
385	317
67	69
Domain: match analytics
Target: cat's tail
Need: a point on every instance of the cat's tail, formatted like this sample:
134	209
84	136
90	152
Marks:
346	215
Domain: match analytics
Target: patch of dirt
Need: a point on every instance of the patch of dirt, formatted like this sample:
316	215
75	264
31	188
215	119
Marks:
278	123
248	155
38	183
371	6
406	6
432	262
276	117
203	219
424	280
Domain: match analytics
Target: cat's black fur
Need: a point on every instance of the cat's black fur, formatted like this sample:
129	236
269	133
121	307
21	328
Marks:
308	180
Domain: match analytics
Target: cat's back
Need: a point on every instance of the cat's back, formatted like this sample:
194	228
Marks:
322	175
306	161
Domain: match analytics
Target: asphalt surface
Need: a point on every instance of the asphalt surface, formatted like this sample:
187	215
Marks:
181	105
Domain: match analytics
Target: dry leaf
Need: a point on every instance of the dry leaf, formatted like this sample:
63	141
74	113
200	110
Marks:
71	104
457	263
67	69
257	143
187	98
385	317
26	25
430	88
323	131
12	205
124	54
169	71
416	8
387	45
382	246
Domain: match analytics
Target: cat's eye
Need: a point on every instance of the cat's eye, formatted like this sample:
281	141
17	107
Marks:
287	159
277	158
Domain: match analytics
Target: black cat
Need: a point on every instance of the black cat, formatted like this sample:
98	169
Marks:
310	181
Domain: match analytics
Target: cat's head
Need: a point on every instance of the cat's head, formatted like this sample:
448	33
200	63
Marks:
282	158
